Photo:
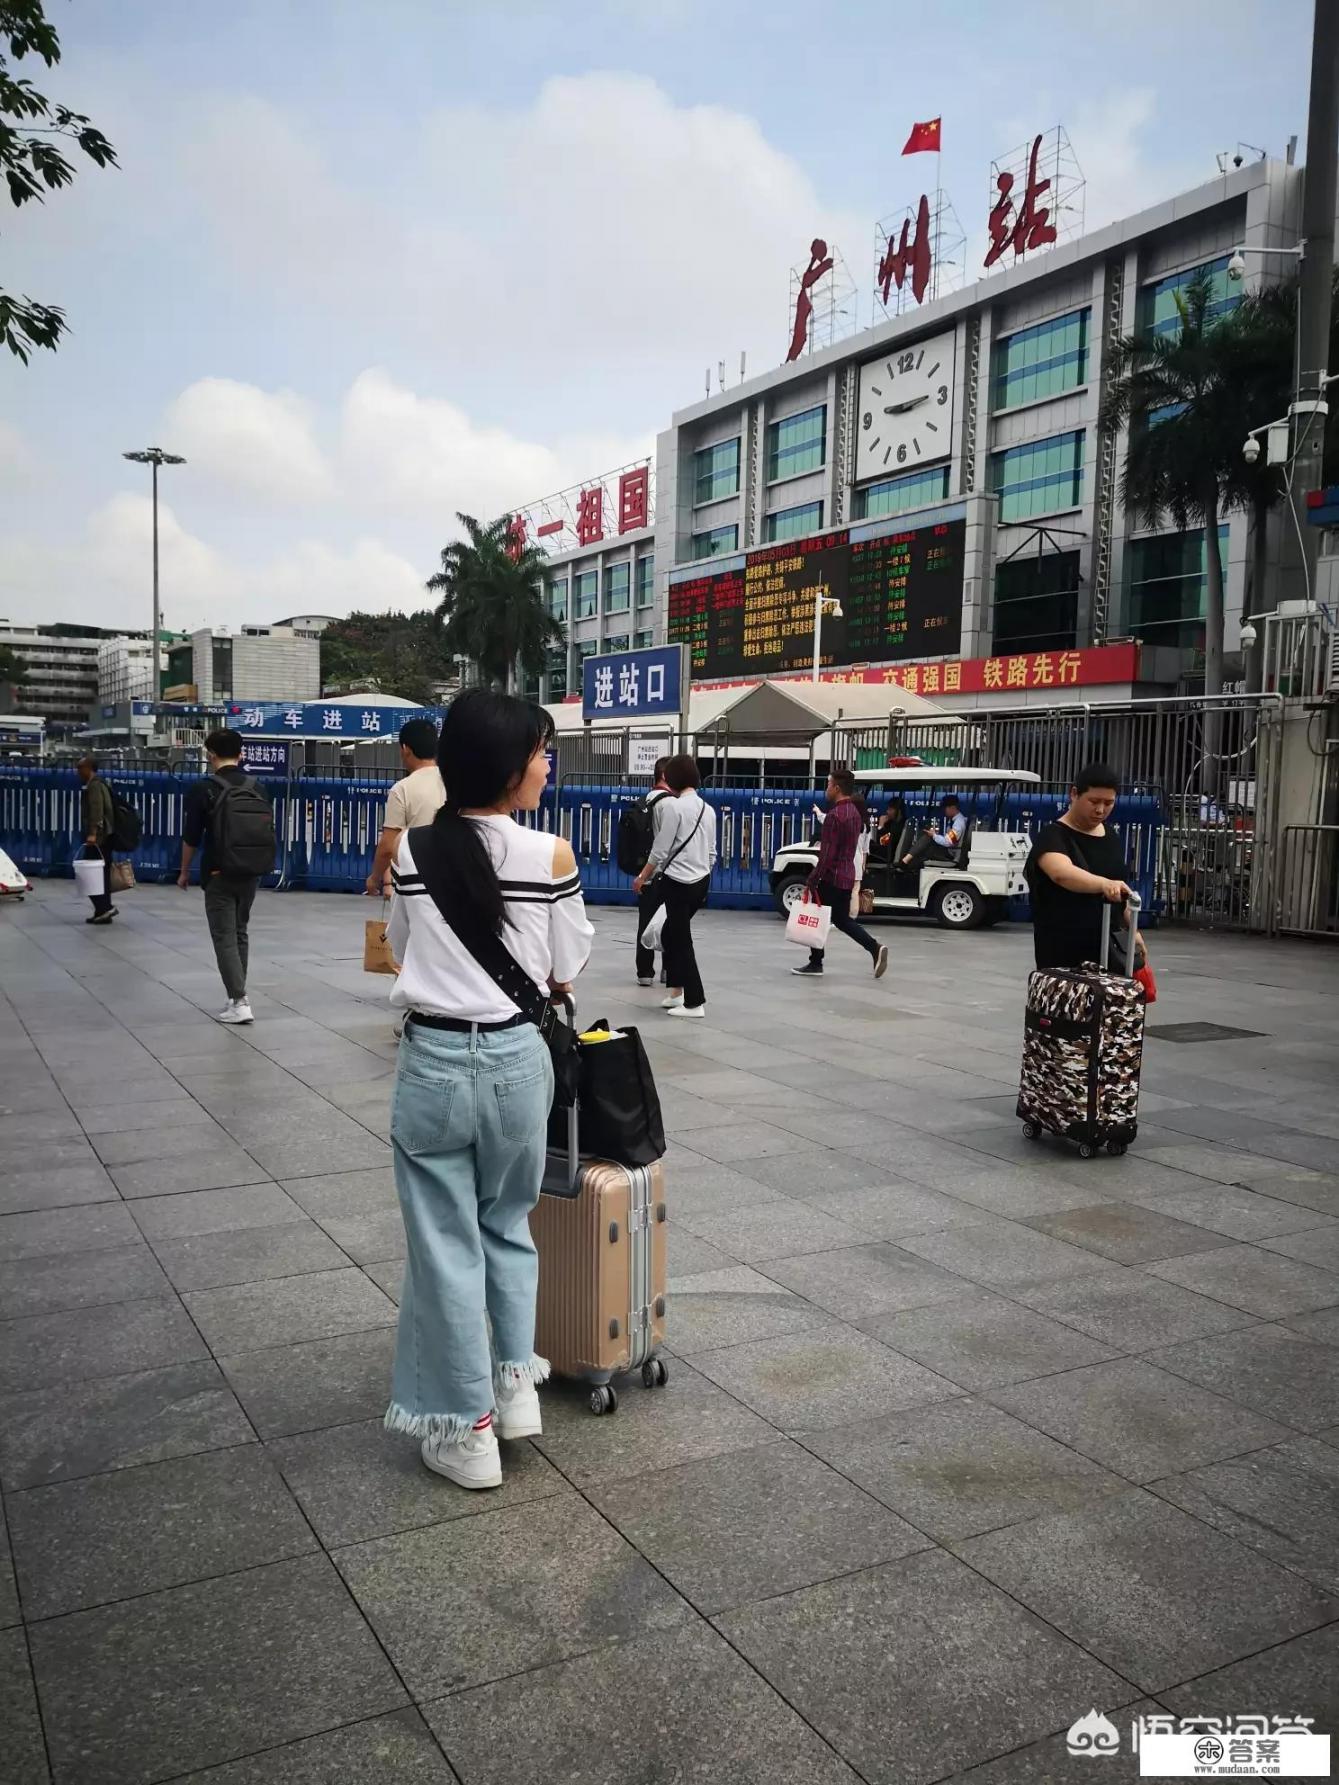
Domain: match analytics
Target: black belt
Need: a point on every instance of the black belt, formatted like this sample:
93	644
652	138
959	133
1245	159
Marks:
458	1025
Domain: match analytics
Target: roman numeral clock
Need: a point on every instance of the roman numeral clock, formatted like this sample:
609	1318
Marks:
906	408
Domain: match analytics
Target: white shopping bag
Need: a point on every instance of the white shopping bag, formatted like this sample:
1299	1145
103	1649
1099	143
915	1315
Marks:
809	923
655	926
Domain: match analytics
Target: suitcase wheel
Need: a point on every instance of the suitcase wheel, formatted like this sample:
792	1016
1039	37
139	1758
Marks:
1030	1131
1087	1150
654	1373
1116	1148
603	1399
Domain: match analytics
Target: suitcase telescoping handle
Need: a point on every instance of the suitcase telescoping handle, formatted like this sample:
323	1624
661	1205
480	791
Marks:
1130	929
567	1003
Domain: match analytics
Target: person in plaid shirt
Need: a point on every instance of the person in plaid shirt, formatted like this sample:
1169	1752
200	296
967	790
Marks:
834	875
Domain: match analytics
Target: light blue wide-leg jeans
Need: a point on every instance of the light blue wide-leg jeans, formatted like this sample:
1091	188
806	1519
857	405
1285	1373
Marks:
468	1120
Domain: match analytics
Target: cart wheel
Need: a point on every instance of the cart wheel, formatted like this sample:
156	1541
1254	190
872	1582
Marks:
1116	1148
603	1400
1030	1131
1086	1151
654	1373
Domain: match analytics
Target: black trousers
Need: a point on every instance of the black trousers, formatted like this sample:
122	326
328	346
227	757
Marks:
925	849
102	902
838	901
683	900
649	901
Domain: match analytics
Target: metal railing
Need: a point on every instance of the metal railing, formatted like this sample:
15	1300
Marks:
1308	881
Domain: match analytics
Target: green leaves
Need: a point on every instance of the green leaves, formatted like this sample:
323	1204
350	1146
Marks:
492	602
31	163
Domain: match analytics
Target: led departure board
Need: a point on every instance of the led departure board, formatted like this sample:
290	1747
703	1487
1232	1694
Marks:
901	597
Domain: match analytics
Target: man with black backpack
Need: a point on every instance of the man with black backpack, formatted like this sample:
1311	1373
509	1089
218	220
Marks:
230	820
636	836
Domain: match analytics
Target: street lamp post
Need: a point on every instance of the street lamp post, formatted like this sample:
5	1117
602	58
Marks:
155	456
824	604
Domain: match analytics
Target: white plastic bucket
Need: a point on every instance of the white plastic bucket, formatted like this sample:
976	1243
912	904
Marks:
89	873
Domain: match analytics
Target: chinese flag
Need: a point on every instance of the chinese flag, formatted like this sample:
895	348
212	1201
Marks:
923	136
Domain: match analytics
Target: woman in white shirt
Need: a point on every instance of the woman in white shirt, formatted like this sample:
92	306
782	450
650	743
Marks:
683	855
473	1086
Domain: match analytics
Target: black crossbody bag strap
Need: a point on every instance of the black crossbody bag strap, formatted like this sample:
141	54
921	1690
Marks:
489	951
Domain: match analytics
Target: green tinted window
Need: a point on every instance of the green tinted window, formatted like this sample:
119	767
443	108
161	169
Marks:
617	583
794	523
898	494
712	544
1166	581
1043	361
1157	302
585	589
1040	477
716	472
797	444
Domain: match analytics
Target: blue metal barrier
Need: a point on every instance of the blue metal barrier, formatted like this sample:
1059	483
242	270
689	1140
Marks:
328	830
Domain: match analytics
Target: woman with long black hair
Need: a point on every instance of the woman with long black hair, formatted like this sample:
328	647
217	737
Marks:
682	857
474	1084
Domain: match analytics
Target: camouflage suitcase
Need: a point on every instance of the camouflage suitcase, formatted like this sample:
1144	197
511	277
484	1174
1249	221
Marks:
600	1230
1083	1044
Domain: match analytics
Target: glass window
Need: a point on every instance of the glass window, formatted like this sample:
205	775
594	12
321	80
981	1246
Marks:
716	471
794	523
713	543
1166	581
1040	477
584	648
646	579
557	674
643	641
585	589
1043	361
558	597
617	583
798	443
897	494
1036	602
617	641
1157	302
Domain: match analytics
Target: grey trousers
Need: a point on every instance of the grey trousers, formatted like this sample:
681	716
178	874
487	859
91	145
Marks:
228	908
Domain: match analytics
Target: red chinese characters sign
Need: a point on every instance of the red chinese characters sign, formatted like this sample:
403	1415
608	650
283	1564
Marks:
590	516
1025	226
901	258
1015	673
634	499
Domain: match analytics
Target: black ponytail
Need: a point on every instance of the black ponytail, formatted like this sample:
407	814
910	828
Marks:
486	745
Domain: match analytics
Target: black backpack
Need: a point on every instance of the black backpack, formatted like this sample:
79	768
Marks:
127	825
242	844
636	833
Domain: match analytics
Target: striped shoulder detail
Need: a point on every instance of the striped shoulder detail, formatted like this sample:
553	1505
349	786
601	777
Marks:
538	892
407	886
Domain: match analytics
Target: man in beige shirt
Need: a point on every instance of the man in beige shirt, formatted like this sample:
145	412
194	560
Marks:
412	801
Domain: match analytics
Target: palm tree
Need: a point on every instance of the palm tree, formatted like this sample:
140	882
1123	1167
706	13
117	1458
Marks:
1189	395
493	602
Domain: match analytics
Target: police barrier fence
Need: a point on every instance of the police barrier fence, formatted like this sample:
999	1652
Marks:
328	829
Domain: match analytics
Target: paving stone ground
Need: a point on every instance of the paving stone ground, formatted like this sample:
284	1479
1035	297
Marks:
963	1437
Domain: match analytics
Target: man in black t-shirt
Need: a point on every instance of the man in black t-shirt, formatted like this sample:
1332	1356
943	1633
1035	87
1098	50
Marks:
1075	864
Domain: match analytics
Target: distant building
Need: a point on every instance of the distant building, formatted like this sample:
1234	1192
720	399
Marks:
312	624
125	671
254	663
61	683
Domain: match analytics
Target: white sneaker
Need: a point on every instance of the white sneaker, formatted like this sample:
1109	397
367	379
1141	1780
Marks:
699	1011
474	1462
238	1011
673	1002
646	982
881	962
516	1410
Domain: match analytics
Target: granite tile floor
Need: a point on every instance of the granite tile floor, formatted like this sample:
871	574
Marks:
963	1438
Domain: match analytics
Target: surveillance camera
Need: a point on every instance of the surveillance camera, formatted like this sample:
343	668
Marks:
1236	267
1238	158
1251	449
1248	635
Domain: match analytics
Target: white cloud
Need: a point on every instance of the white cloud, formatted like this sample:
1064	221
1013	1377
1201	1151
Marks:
102	576
260	442
601	227
426	456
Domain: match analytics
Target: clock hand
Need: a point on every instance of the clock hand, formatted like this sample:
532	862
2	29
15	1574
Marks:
902	408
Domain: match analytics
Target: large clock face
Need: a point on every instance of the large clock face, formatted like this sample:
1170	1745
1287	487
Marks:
906	408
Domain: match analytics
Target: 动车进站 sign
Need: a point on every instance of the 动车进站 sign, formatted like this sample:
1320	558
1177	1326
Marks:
322	719
635	684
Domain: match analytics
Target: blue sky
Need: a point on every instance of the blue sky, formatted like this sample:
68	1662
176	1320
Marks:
368	264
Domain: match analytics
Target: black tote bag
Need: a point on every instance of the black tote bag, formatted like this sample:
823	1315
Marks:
618	1106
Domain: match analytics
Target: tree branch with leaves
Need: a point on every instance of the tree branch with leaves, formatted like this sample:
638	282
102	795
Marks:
33	132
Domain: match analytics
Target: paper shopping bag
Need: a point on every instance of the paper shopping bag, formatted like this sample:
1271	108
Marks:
808	924
377	957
